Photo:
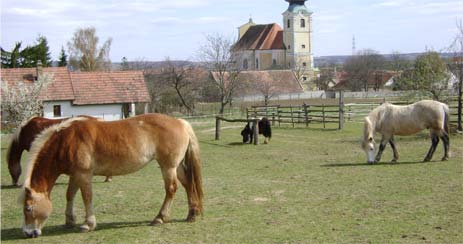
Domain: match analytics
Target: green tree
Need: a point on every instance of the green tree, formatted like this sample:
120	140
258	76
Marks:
429	76
63	58
29	56
84	53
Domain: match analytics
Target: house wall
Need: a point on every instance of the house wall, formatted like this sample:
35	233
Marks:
106	111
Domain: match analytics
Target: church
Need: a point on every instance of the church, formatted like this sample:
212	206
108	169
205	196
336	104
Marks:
271	47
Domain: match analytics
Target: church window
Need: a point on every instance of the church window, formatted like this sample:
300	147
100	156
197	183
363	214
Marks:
274	62
304	64
289	23
303	45
289	46
245	64
302	23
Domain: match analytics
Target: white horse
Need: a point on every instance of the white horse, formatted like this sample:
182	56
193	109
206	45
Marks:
390	120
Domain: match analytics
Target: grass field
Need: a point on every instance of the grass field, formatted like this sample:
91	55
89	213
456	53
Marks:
306	186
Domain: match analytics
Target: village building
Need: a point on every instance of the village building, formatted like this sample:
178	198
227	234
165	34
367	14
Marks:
106	95
269	46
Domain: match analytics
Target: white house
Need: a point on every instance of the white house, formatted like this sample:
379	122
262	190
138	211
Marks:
99	94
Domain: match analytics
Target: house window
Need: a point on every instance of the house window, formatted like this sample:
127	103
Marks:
56	110
304	78
257	63
289	46
289	23
245	64
303	46
302	23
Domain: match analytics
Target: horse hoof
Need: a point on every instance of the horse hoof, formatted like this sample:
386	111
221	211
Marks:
426	160
156	222
394	160
445	159
84	228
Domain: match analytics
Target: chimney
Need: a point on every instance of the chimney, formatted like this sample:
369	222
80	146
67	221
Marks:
39	69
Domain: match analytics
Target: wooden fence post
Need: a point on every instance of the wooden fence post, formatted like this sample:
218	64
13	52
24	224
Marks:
292	116
341	110
256	131
323	115
217	128
306	117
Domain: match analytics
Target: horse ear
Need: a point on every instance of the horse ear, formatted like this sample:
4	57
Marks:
28	192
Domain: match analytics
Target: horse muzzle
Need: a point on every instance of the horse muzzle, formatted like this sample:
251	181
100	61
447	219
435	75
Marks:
32	233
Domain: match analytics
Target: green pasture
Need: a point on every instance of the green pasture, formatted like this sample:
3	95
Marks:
309	185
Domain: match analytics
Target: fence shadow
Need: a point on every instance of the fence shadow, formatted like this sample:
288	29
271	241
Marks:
371	165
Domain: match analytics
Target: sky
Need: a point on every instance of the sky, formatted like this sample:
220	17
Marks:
152	30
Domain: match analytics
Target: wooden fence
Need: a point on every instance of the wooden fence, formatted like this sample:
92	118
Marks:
300	114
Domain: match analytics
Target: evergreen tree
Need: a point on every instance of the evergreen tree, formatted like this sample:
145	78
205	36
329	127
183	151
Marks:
125	64
63	58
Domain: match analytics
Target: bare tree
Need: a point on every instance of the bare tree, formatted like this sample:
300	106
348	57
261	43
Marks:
327	75
456	65
84	53
361	67
180	77
217	56
21	101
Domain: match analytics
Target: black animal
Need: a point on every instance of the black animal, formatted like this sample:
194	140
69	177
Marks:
264	128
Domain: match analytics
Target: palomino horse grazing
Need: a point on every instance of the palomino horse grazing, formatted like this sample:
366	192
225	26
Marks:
22	140
264	128
82	148
390	120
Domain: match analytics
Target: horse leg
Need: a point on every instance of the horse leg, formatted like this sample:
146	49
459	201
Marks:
382	146
70	195
193	209
108	179
446	140
394	149
170	184
85	184
435	141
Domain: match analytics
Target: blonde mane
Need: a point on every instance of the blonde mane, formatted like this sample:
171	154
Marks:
41	139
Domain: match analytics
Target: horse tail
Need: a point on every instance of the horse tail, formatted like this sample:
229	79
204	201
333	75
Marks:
193	168
14	156
446	119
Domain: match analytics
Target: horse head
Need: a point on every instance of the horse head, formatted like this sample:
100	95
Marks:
37	208
368	143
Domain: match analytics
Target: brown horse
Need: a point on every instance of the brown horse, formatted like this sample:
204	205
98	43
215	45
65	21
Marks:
390	120
82	148
22	140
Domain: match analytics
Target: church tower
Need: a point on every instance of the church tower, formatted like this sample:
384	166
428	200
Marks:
297	36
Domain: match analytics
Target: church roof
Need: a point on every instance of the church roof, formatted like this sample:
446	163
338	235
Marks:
261	37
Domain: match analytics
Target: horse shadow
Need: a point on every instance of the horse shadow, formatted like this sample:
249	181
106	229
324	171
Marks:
58	230
371	165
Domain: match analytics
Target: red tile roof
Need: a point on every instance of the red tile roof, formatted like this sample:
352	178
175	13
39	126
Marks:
109	87
375	80
59	89
85	87
267	81
262	37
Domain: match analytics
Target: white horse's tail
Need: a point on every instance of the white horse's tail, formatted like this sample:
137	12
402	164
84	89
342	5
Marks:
446	118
